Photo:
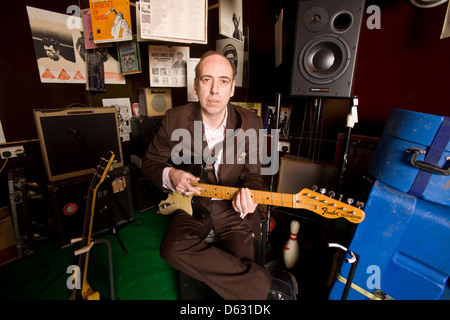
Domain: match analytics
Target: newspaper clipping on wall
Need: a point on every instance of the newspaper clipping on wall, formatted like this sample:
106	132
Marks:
168	66
175	20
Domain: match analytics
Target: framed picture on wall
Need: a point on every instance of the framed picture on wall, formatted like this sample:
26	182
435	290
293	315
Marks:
283	122
129	57
230	19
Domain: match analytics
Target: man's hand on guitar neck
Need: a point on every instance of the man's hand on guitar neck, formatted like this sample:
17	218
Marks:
243	202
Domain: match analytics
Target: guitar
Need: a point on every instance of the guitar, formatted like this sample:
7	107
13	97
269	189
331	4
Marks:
306	199
86	292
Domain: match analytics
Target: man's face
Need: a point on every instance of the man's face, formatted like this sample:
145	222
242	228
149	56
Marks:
214	85
51	52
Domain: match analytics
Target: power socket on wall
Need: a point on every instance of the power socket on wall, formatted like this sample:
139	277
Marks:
12	152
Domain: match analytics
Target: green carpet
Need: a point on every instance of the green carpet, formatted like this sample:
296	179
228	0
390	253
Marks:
140	274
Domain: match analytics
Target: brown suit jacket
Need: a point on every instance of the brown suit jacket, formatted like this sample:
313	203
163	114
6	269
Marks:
240	167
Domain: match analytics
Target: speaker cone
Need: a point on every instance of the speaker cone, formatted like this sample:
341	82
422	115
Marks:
324	59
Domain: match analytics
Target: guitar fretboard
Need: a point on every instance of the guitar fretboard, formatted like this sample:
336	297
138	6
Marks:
261	197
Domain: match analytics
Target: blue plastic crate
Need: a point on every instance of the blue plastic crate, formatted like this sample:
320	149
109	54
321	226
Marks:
391	163
403	247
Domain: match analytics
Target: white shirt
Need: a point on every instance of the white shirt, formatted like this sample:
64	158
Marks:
213	137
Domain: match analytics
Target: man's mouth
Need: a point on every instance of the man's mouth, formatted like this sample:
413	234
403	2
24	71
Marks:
213	101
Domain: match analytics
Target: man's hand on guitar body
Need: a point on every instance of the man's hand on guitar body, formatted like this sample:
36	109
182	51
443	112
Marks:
181	182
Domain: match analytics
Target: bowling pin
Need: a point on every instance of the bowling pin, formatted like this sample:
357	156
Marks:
291	250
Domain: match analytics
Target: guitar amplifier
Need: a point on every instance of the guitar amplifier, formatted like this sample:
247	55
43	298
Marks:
297	173
113	206
69	147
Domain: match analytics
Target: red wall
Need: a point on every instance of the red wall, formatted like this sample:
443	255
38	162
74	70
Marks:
404	64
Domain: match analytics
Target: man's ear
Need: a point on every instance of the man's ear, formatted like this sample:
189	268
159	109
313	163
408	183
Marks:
232	88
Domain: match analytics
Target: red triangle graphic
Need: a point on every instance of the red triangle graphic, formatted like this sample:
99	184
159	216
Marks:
78	76
47	74
63	75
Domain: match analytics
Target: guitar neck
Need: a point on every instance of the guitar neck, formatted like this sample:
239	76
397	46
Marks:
258	196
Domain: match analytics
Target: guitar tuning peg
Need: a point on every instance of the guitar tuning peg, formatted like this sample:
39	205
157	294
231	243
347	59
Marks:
314	188
350	201
360	204
340	197
323	190
331	193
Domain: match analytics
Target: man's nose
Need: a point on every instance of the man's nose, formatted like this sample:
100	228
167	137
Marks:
214	87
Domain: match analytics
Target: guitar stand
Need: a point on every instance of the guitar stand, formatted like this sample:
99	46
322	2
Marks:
354	262
110	262
114	229
115	232
110	265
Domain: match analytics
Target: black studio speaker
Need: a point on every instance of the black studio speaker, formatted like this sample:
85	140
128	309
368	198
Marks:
326	42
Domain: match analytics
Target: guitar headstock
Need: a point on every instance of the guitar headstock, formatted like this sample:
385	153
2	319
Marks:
327	206
102	168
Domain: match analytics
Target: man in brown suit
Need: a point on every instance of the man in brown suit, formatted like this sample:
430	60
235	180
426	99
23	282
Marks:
206	129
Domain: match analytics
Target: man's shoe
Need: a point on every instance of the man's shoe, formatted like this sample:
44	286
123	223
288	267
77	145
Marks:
284	286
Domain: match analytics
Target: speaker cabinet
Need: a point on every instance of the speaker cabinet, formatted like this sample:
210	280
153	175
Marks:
297	173
73	140
154	101
143	129
326	41
113	206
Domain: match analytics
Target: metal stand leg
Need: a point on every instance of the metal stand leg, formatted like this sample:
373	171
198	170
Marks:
354	261
110	263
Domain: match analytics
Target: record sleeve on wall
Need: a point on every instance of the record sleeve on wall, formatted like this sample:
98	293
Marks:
87	28
129	57
123	107
233	50
111	20
59	44
230	19
283	122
